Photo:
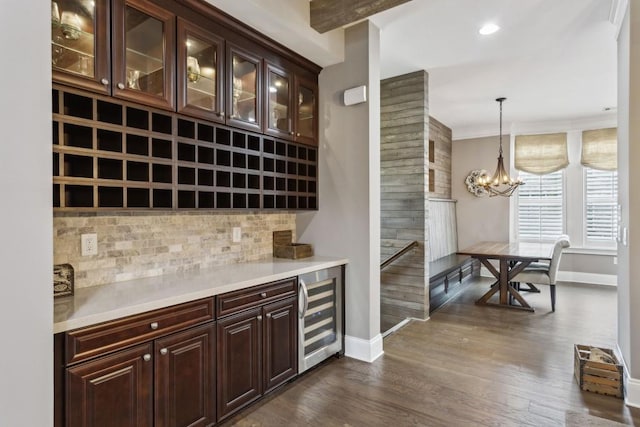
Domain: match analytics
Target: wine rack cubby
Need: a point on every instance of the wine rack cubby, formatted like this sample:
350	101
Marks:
112	154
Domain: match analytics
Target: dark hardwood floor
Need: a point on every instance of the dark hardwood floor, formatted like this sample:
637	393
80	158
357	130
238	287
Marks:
467	366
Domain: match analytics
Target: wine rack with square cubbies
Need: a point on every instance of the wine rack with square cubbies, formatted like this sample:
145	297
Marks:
111	154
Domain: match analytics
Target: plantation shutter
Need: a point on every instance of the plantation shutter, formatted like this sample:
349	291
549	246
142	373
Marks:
540	207
601	189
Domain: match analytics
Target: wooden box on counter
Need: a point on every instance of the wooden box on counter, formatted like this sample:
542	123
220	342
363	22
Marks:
283	246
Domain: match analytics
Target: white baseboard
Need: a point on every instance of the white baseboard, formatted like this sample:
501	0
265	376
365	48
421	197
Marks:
575	276
595	278
365	350
631	385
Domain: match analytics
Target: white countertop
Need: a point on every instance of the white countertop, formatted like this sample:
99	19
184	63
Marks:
108	302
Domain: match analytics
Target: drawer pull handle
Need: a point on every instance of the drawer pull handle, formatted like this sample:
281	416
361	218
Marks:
259	317
263	295
163	351
154	325
146	357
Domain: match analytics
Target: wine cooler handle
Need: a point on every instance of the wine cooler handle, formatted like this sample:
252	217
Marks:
305	294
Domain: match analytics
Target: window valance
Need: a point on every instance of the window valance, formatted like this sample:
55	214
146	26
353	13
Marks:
600	149
541	154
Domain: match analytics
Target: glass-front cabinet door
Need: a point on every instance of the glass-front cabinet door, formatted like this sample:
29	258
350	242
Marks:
200	73
279	114
79	43
244	100
143	53
306	111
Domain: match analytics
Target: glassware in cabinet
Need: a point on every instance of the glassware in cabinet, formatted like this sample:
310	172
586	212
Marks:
200	76
79	43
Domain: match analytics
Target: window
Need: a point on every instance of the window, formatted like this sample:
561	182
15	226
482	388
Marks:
540	206
601	194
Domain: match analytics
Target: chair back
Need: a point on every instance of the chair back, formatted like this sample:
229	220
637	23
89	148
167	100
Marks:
561	243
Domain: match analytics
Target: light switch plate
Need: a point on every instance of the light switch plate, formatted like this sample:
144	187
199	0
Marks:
89	244
237	234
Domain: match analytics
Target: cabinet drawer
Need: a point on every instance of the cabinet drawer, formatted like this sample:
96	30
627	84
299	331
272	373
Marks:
233	302
99	339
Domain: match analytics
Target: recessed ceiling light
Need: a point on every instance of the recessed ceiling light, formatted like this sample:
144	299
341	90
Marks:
489	28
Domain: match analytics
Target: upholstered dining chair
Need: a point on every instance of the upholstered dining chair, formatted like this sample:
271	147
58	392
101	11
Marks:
545	274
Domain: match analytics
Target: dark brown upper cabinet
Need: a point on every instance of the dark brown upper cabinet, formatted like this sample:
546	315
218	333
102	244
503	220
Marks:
200	80
244	89
305	110
80	43
278	119
143	53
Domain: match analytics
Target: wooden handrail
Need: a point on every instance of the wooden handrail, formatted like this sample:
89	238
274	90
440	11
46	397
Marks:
398	254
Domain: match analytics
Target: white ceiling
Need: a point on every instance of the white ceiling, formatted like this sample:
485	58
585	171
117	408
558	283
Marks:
554	60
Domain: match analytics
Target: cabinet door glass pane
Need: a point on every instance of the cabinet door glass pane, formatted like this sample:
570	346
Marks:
278	102
244	89
201	73
72	36
144	52
306	112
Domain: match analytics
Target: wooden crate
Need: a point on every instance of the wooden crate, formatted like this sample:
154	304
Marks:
598	377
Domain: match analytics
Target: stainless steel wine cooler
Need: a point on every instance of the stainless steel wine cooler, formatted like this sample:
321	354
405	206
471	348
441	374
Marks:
320	313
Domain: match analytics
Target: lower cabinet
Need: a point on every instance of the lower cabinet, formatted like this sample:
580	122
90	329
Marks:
178	366
257	352
112	391
168	382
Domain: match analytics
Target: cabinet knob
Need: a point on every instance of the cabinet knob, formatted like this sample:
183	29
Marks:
163	351
219	113
104	81
120	85
268	315
154	325
146	357
263	295
259	317
291	133
298	134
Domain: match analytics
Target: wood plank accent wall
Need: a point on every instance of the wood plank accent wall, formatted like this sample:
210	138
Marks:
441	165
404	144
442	228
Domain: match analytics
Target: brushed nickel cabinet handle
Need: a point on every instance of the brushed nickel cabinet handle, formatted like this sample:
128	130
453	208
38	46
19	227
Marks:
263	295
104	81
146	357
259	317
120	85
154	325
268	315
163	351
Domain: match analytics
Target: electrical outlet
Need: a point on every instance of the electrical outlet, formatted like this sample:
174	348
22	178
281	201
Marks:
89	244
237	234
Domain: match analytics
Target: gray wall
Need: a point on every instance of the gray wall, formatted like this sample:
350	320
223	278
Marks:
629	198
479	218
404	163
348	222
26	252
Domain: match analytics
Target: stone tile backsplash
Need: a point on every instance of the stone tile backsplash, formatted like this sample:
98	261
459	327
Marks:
135	245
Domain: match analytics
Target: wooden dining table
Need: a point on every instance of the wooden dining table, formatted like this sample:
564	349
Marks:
512	259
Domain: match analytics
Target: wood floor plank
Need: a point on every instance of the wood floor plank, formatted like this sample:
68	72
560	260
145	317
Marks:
468	365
